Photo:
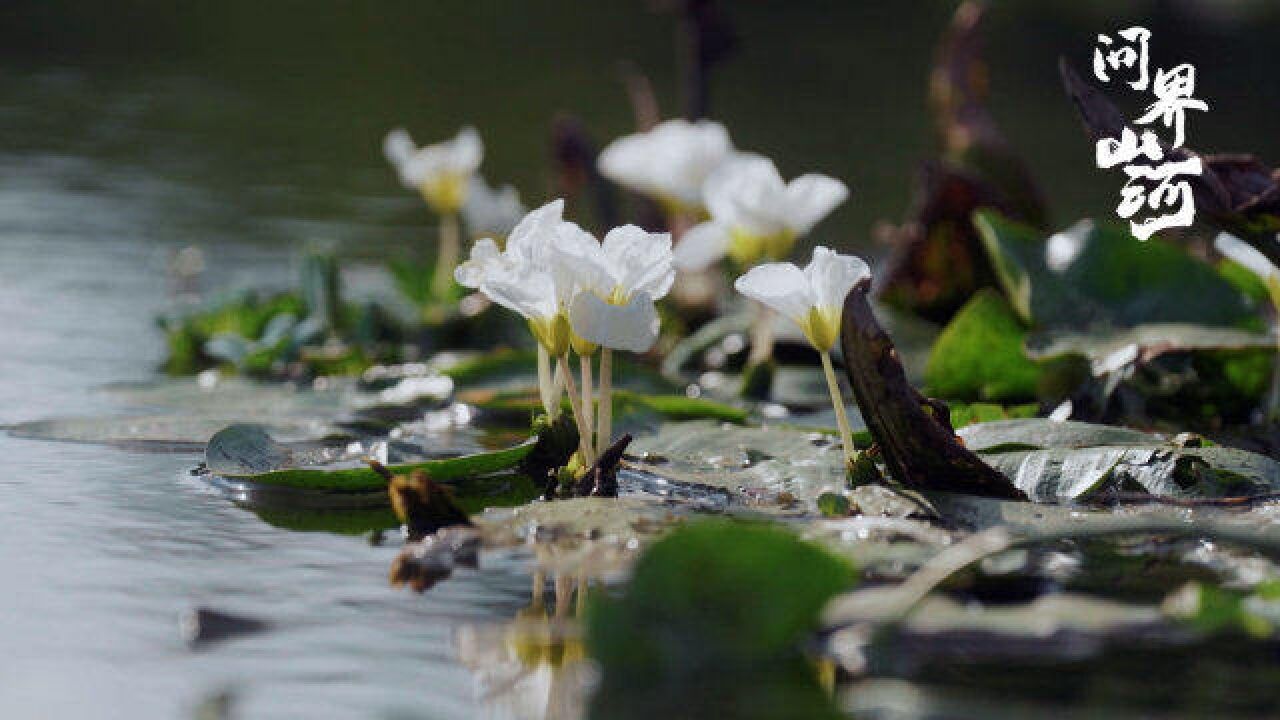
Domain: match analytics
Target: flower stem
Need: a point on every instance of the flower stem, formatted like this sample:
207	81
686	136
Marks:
761	337
837	403
588	396
447	259
604	433
575	402
545	384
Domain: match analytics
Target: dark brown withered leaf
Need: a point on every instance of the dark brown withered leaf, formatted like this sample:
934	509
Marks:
421	505
913	433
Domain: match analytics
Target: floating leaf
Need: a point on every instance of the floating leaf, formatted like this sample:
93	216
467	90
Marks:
241	451
1059	474
1042	433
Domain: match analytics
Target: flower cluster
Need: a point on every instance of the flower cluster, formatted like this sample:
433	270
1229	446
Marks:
576	292
582	295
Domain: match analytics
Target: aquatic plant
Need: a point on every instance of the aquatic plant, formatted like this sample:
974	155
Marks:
755	214
531	278
668	163
813	298
491	212
621	279
442	174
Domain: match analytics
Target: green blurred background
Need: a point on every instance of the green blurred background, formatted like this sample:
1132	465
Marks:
278	107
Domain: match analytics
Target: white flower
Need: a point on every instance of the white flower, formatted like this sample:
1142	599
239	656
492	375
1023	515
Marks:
670	162
813	297
619	280
485	258
491	212
441	172
755	214
531	277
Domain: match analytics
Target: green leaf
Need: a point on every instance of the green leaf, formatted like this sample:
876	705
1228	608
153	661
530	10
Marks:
1099	273
979	356
248	452
965	414
714	597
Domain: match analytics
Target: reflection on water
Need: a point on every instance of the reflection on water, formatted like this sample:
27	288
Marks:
534	667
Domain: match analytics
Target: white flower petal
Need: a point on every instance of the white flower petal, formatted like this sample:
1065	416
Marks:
466	151
532	236
830	276
701	246
632	327
671	160
747	192
1242	253
640	261
398	147
484	257
780	286
490	211
584	262
811	198
530	293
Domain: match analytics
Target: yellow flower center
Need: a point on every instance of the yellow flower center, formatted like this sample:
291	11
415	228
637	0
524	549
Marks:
673	206
446	193
582	346
821	326
553	333
747	248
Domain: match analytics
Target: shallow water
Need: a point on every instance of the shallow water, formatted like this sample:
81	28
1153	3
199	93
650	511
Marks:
104	549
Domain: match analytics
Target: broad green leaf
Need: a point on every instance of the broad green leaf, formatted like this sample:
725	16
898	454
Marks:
714	596
248	452
1099	273
980	356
